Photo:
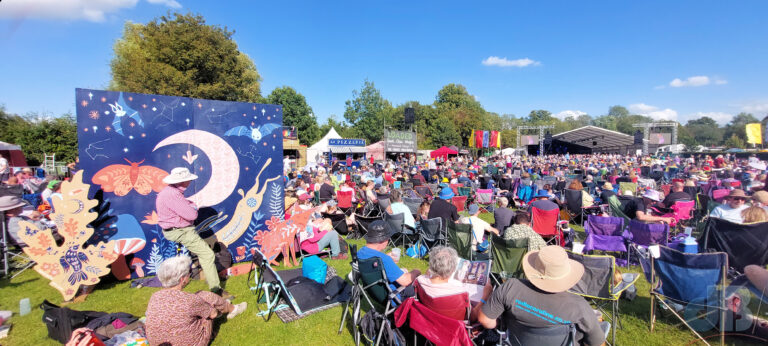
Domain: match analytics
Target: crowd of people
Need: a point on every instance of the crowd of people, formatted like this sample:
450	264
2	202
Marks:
643	188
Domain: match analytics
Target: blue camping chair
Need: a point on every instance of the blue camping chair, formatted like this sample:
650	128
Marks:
695	281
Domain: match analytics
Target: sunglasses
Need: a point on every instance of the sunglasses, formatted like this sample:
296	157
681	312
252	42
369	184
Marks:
738	198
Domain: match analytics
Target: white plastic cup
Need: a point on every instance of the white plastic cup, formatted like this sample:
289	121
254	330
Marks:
578	247
396	254
24	307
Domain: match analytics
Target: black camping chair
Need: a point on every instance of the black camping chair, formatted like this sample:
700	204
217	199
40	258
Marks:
362	223
744	244
383	204
400	231
424	191
431	232
413	204
598	284
339	222
12	250
507	258
561	335
460	238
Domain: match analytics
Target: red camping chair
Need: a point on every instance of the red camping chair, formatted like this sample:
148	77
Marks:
484	199
459	202
455	306
545	223
455	188
345	200
438	329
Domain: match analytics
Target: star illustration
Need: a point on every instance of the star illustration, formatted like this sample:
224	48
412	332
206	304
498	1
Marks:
201	168
94	115
132	124
246	168
143	135
243	114
125	150
154	109
144	106
85	129
199	105
130	98
169	156
269	118
254	107
103	99
84	103
108	128
265	144
153	100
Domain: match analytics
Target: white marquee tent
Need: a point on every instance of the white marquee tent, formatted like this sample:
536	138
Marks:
315	152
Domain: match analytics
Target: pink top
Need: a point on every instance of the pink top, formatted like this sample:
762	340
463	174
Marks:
310	245
173	210
178	318
435	290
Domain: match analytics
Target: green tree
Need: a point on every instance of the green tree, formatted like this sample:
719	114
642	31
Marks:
705	131
296	112
540	117
366	112
38	135
618	111
180	55
454	102
735	142
737	126
342	128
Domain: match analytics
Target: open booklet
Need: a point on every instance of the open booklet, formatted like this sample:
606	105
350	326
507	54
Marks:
474	275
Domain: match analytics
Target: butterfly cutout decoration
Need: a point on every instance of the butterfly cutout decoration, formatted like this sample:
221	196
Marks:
189	157
121	179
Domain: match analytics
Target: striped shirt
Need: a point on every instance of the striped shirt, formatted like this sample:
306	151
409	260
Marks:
173	210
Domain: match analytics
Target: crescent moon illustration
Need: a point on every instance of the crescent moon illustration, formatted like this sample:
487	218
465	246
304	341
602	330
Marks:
225	168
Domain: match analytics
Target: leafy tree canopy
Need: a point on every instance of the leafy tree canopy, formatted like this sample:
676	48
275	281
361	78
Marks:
296	112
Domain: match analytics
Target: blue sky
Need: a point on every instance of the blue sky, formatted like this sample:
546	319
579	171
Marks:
667	59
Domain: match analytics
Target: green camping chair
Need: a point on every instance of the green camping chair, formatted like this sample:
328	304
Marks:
460	238
507	258
616	210
465	191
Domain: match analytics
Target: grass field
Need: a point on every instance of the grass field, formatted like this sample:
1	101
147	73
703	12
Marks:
248	328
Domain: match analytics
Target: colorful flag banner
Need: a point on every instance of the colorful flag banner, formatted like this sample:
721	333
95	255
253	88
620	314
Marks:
478	139
471	139
486	138
754	133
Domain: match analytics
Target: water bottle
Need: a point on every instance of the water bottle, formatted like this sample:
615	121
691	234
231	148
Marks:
24	307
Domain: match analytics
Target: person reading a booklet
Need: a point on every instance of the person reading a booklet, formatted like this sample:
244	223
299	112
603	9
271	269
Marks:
542	300
448	275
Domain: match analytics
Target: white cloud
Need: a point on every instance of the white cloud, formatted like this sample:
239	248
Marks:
569	113
652	111
756	107
694	81
721	118
90	10
504	62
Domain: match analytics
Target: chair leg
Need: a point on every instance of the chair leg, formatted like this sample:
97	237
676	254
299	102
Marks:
653	310
615	320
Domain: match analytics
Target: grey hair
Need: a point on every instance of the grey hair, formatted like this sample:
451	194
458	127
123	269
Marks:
443	261
173	269
503	202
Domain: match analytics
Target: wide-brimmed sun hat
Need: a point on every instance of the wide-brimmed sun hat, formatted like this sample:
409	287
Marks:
652	195
608	186
542	194
179	175
11	202
446	193
737	193
550	269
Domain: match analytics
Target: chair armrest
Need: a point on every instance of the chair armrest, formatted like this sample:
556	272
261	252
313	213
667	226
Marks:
393	295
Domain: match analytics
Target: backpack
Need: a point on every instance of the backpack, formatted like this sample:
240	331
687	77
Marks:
62	321
370	325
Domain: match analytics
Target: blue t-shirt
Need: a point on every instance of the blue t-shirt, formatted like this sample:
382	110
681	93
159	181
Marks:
390	267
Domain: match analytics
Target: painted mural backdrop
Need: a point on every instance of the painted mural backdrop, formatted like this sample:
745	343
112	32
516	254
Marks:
129	142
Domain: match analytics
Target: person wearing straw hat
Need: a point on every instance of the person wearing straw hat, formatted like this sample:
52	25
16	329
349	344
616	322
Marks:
176	216
731	210
607	192
542	300
12	206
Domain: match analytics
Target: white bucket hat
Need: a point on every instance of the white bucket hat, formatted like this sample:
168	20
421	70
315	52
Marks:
179	175
11	202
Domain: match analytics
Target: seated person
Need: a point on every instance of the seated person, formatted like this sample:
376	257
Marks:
439	281
376	240
754	214
423	213
541	201
175	317
326	191
607	192
731	210
550	274
522	230
318	234
398	207
676	194
644	208
502	215
479	226
586	198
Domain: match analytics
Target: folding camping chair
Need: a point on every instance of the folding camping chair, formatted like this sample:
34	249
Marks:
345	201
459	202
339	222
720	194
484	199
401	230
370	281
546	224
691	280
432	325
424	191
745	244
616	209
682	211
413	204
521	335
573	205
460	238
362	223
12	251
431	232
598	284
646	234
605	233
465	191
507	258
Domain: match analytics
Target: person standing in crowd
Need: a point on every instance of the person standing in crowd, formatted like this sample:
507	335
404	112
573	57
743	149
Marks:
176	216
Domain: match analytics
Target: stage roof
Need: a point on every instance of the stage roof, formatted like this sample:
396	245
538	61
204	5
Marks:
585	136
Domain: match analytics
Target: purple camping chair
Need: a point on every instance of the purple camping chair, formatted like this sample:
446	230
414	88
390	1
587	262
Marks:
605	233
645	234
